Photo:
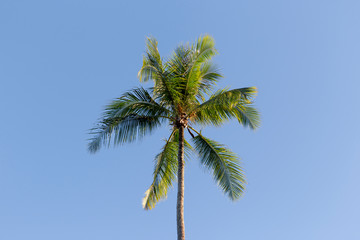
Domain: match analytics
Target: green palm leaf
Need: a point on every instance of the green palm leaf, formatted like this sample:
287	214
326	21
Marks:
122	129
137	101
165	170
224	165
127	118
209	75
154	70
204	50
152	64
164	173
224	105
247	115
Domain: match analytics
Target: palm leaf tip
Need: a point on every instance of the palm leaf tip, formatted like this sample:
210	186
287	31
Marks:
248	116
93	146
101	136
146	204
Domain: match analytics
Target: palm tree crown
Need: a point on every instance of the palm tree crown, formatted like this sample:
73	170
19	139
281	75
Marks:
182	97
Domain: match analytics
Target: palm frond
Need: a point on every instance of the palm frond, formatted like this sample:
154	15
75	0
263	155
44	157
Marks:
165	172
224	105
247	115
178	69
224	165
204	50
128	118
178	64
189	67
165	88
137	101
209	76
152	64
122	129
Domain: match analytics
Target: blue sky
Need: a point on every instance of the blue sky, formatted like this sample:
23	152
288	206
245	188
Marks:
62	61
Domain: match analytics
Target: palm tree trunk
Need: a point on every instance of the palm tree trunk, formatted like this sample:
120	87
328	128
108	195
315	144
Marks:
180	194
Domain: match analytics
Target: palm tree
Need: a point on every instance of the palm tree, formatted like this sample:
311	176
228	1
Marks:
181	97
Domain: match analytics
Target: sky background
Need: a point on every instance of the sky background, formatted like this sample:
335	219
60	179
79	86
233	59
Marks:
62	61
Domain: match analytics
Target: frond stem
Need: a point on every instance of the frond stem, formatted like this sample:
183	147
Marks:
194	130
192	135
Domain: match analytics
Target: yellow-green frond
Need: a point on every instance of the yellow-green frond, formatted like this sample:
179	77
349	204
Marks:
165	172
225	105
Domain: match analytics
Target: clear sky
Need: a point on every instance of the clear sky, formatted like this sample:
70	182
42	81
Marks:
62	61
